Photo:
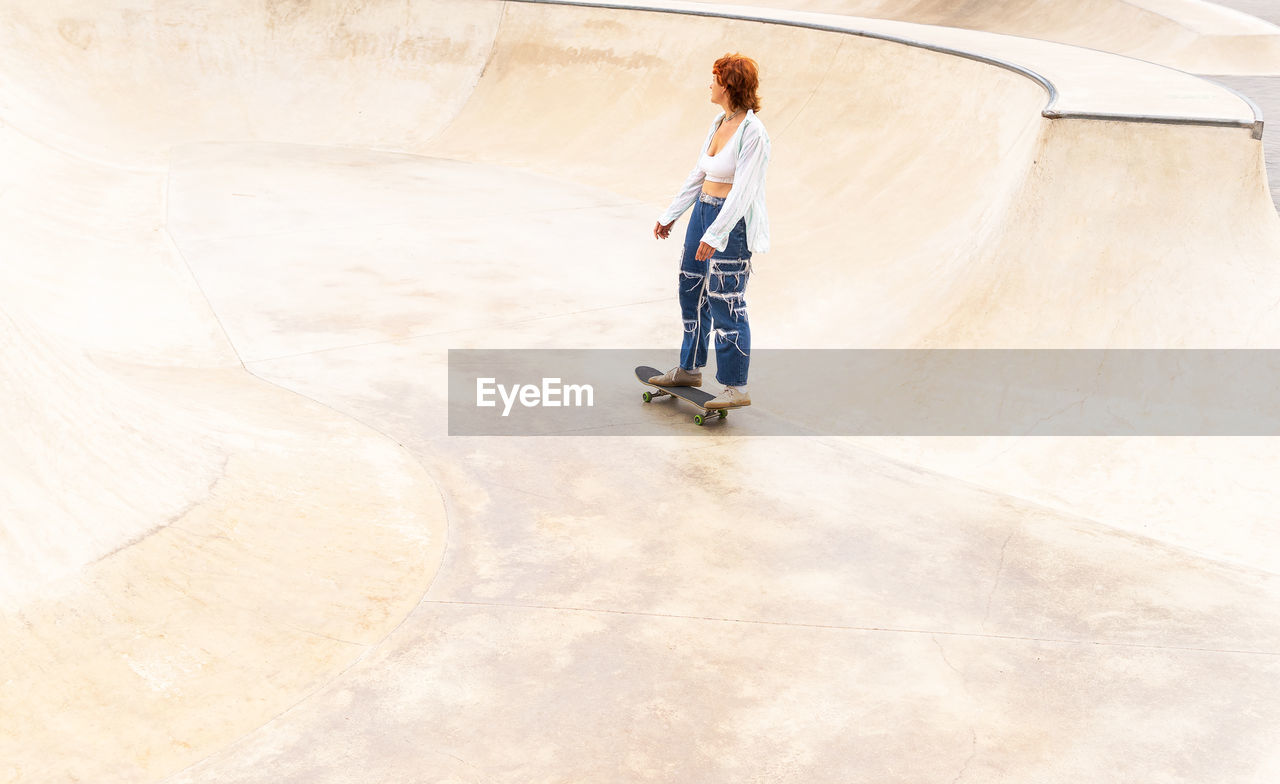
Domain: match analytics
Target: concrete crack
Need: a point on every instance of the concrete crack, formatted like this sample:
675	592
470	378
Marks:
944	656
996	583
973	753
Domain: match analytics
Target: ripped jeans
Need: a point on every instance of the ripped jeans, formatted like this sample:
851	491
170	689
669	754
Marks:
714	292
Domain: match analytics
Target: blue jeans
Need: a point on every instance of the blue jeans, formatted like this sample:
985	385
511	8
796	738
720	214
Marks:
715	291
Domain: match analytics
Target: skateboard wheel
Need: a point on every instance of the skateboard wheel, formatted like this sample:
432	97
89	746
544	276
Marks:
647	396
698	419
723	413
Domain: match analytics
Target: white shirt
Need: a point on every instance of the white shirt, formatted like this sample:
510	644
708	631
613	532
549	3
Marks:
746	197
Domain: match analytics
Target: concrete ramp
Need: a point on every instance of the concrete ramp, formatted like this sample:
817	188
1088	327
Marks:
942	170
237	543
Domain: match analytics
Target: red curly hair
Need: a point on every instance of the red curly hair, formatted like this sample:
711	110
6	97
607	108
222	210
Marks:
740	77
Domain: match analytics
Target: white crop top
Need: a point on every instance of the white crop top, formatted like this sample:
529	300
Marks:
721	166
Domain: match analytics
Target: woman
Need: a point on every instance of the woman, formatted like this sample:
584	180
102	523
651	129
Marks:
728	224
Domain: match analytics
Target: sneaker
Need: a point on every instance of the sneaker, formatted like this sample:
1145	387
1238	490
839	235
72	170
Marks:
677	377
731	397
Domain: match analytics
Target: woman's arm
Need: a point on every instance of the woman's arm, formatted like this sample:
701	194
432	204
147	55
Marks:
692	185
686	196
748	180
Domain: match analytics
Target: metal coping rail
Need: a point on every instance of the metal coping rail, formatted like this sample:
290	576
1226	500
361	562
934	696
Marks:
1049	112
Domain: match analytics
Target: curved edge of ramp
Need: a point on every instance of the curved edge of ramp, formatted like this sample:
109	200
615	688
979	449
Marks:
1082	84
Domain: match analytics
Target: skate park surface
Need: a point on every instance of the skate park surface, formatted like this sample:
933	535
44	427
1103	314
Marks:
239	545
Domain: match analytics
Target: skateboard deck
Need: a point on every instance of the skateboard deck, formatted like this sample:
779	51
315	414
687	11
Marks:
694	395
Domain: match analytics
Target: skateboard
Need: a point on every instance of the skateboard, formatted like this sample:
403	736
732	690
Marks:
694	395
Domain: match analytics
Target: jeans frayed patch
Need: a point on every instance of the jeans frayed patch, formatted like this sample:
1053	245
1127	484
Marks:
735	301
724	337
691	282
746	266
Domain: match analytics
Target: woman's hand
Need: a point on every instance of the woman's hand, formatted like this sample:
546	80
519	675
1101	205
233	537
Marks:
662	232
